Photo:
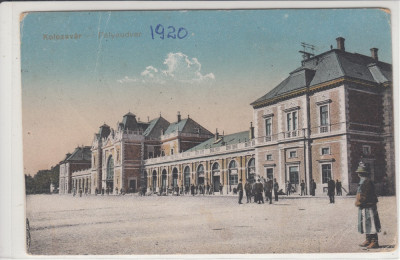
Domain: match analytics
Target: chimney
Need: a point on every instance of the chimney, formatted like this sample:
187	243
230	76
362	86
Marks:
340	43
179	116
216	134
374	53
251	134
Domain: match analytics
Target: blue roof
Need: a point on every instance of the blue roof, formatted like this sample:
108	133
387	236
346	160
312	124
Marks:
235	138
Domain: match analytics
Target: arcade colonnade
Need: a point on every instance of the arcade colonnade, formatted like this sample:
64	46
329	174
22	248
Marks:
201	171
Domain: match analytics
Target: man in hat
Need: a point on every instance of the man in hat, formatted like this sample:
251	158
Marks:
247	188
366	200
240	190
259	192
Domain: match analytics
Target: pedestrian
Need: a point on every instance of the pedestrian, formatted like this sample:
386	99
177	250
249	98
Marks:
313	187
208	188
80	192
102	191
212	190
368	217
303	188
276	189
74	191
268	192
96	191
259	192
247	189
289	188
331	191
240	190
177	190
220	189
338	188
192	189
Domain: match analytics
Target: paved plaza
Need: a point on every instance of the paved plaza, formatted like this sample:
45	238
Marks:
108	225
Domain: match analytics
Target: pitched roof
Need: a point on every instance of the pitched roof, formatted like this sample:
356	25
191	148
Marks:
235	138
187	125
81	154
176	126
151	126
329	66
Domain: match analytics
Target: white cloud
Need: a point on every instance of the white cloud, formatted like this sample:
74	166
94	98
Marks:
178	67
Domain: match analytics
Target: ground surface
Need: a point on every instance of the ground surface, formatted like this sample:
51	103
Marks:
108	225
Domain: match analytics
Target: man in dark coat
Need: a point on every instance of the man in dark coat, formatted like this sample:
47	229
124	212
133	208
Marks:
259	191
268	190
331	191
240	190
192	189
247	188
313	187
368	217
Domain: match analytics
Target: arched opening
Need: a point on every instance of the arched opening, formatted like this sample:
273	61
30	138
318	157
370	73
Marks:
233	174
200	175
164	181
110	174
154	185
186	177
251	170
216	179
175	177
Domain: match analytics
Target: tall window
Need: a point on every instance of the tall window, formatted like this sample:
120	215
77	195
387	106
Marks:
175	177
291	121
268	126
251	170
110	168
294	174
324	116
186	174
200	174
233	173
326	172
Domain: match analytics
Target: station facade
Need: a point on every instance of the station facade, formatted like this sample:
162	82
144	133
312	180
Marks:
334	110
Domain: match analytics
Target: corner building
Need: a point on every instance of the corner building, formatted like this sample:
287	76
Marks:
329	113
332	111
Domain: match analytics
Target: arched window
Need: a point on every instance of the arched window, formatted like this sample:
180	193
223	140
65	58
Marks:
164	180
216	180
233	173
144	181
251	170
186	174
154	180
200	174
110	169
175	177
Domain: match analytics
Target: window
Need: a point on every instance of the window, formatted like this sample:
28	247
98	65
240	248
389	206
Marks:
233	173
150	154
325	151
251	170
172	151
294	174
270	173
162	153
186	174
366	149
291	121
326	172
292	154
269	157
268	126
324	118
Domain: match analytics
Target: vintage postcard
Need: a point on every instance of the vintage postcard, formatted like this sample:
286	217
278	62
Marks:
220	132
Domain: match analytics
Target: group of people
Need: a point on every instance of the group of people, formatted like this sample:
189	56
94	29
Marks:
332	187
258	189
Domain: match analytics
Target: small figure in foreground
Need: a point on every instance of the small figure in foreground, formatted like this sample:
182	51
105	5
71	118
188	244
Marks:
247	188
276	189
366	200
338	188
331	191
303	188
240	190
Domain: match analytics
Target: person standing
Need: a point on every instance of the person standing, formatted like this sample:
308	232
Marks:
268	190
220	188
192	189
368	217
338	188
240	190
259	192
102	191
313	187
276	189
289	188
331	191
247	188
303	188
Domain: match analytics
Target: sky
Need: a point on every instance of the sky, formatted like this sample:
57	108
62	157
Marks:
207	64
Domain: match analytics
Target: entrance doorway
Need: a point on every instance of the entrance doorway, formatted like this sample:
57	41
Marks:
216	177
132	185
